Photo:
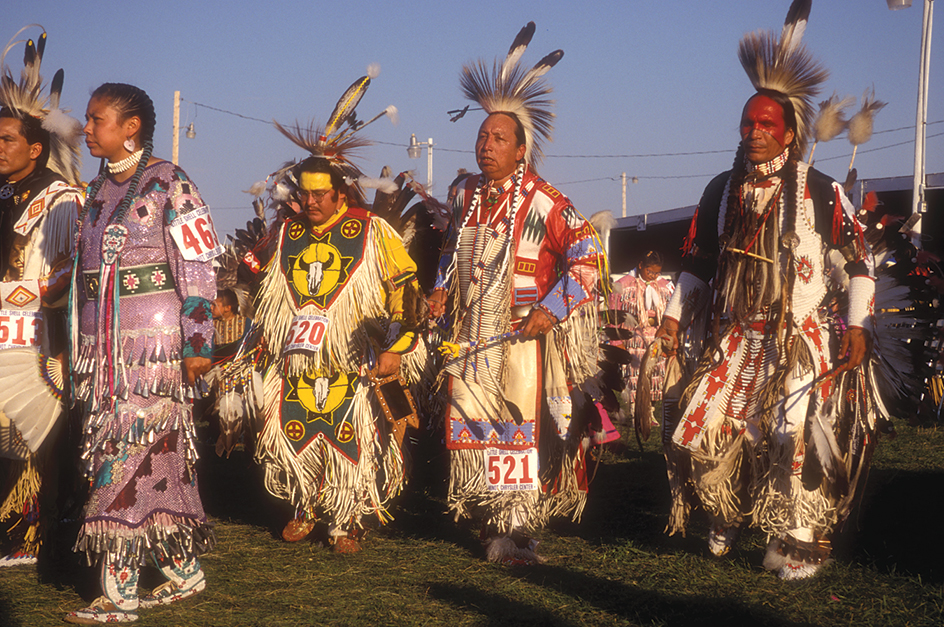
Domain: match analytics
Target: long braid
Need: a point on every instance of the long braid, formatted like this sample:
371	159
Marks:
789	239
732	211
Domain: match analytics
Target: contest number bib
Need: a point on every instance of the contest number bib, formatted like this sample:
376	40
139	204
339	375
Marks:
511	470
306	334
19	328
195	236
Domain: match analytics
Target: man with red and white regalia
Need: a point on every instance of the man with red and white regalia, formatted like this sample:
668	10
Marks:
522	263
755	436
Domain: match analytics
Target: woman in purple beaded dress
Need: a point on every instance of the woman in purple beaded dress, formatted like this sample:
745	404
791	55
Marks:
142	334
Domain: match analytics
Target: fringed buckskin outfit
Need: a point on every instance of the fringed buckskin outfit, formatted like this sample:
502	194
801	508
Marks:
743	437
645	301
37	214
37	241
518	246
331	302
139	308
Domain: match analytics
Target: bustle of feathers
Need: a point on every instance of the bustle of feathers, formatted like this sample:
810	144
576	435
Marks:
24	98
860	124
830	121
510	88
784	65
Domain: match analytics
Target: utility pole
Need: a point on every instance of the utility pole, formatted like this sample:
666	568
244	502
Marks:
918	205
623	179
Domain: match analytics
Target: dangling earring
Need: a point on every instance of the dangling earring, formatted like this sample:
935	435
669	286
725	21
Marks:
129	144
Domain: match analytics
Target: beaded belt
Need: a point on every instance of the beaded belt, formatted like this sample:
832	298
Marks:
133	281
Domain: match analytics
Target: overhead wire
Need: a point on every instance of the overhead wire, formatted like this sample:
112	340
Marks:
615	156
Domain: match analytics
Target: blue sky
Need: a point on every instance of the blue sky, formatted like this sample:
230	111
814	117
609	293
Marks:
636	79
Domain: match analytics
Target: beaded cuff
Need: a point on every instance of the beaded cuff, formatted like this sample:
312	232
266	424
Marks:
861	302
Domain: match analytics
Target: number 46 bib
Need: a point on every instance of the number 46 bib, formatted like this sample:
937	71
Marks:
195	236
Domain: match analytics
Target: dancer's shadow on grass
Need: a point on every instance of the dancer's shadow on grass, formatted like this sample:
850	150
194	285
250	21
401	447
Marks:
615	599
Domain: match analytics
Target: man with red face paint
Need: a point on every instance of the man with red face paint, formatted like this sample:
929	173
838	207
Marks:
761	237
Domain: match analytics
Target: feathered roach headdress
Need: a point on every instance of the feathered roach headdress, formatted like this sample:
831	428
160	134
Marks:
510	88
786	66
337	141
24	99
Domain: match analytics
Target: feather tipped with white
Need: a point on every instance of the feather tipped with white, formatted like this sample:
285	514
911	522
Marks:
860	125
518	46
385	185
541	67
823	441
831	120
794	25
257	189
373	70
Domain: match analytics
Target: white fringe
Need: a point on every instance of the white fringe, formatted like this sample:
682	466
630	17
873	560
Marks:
361	299
320	477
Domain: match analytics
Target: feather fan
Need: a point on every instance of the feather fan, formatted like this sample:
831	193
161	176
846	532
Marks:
830	121
860	125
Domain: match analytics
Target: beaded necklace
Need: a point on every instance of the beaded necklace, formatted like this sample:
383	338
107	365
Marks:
117	167
504	226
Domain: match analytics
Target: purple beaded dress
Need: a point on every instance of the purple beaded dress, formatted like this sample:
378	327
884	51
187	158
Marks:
133	323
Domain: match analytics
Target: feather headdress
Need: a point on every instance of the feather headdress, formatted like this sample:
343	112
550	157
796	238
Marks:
510	88
337	141
786	66
24	99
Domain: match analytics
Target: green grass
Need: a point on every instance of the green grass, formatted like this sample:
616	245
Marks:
614	568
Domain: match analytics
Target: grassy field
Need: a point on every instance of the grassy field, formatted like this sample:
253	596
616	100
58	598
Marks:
616	567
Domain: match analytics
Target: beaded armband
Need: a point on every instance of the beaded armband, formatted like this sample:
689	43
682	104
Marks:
861	302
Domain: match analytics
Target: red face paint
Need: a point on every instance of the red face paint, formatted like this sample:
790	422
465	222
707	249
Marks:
763	131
